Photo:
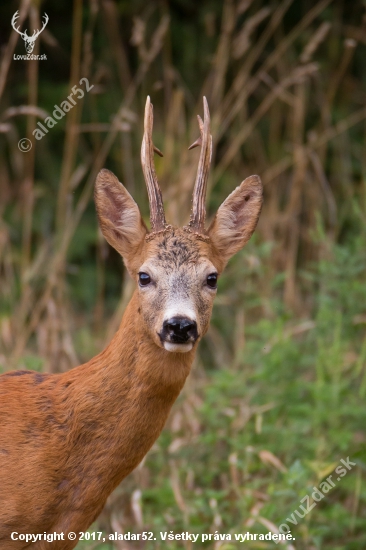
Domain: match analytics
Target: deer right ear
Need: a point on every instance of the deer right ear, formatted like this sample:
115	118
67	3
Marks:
119	217
237	218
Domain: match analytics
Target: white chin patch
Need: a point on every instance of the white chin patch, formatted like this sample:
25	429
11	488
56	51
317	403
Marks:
178	348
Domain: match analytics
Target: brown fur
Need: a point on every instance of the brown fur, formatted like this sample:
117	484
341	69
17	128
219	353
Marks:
67	440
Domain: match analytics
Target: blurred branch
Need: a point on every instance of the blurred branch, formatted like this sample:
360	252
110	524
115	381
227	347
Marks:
33	110
72	117
297	75
342	126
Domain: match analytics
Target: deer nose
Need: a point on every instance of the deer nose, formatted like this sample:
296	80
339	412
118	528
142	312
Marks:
180	329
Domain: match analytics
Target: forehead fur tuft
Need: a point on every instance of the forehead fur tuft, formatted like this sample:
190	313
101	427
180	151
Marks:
176	247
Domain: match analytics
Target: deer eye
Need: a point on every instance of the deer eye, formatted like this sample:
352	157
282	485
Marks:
144	279
212	280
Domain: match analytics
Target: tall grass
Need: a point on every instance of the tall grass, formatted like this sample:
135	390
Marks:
276	395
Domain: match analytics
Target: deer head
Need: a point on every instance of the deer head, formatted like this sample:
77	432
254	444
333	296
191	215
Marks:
176	269
29	40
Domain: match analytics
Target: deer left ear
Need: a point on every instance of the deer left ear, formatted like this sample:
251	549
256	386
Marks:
237	218
119	218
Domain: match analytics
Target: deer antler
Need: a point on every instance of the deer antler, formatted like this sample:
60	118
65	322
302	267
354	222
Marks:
197	220
157	216
37	33
13	21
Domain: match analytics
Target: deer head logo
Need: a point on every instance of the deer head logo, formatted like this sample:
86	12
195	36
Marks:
29	40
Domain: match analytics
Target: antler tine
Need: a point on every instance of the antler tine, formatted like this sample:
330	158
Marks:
46	19
197	221
13	21
37	33
14	18
157	216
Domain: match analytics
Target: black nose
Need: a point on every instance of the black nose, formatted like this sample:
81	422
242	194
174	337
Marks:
179	330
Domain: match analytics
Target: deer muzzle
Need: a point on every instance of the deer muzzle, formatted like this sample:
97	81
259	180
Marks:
179	334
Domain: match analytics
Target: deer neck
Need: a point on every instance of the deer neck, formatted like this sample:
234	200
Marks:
122	398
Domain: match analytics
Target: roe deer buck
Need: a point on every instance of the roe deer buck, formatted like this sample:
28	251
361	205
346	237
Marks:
67	440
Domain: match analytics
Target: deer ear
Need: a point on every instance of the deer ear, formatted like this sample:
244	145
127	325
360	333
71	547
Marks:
119	218
237	218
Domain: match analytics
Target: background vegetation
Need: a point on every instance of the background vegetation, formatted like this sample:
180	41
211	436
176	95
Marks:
277	394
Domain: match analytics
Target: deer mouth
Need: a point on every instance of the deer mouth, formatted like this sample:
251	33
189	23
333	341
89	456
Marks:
178	348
